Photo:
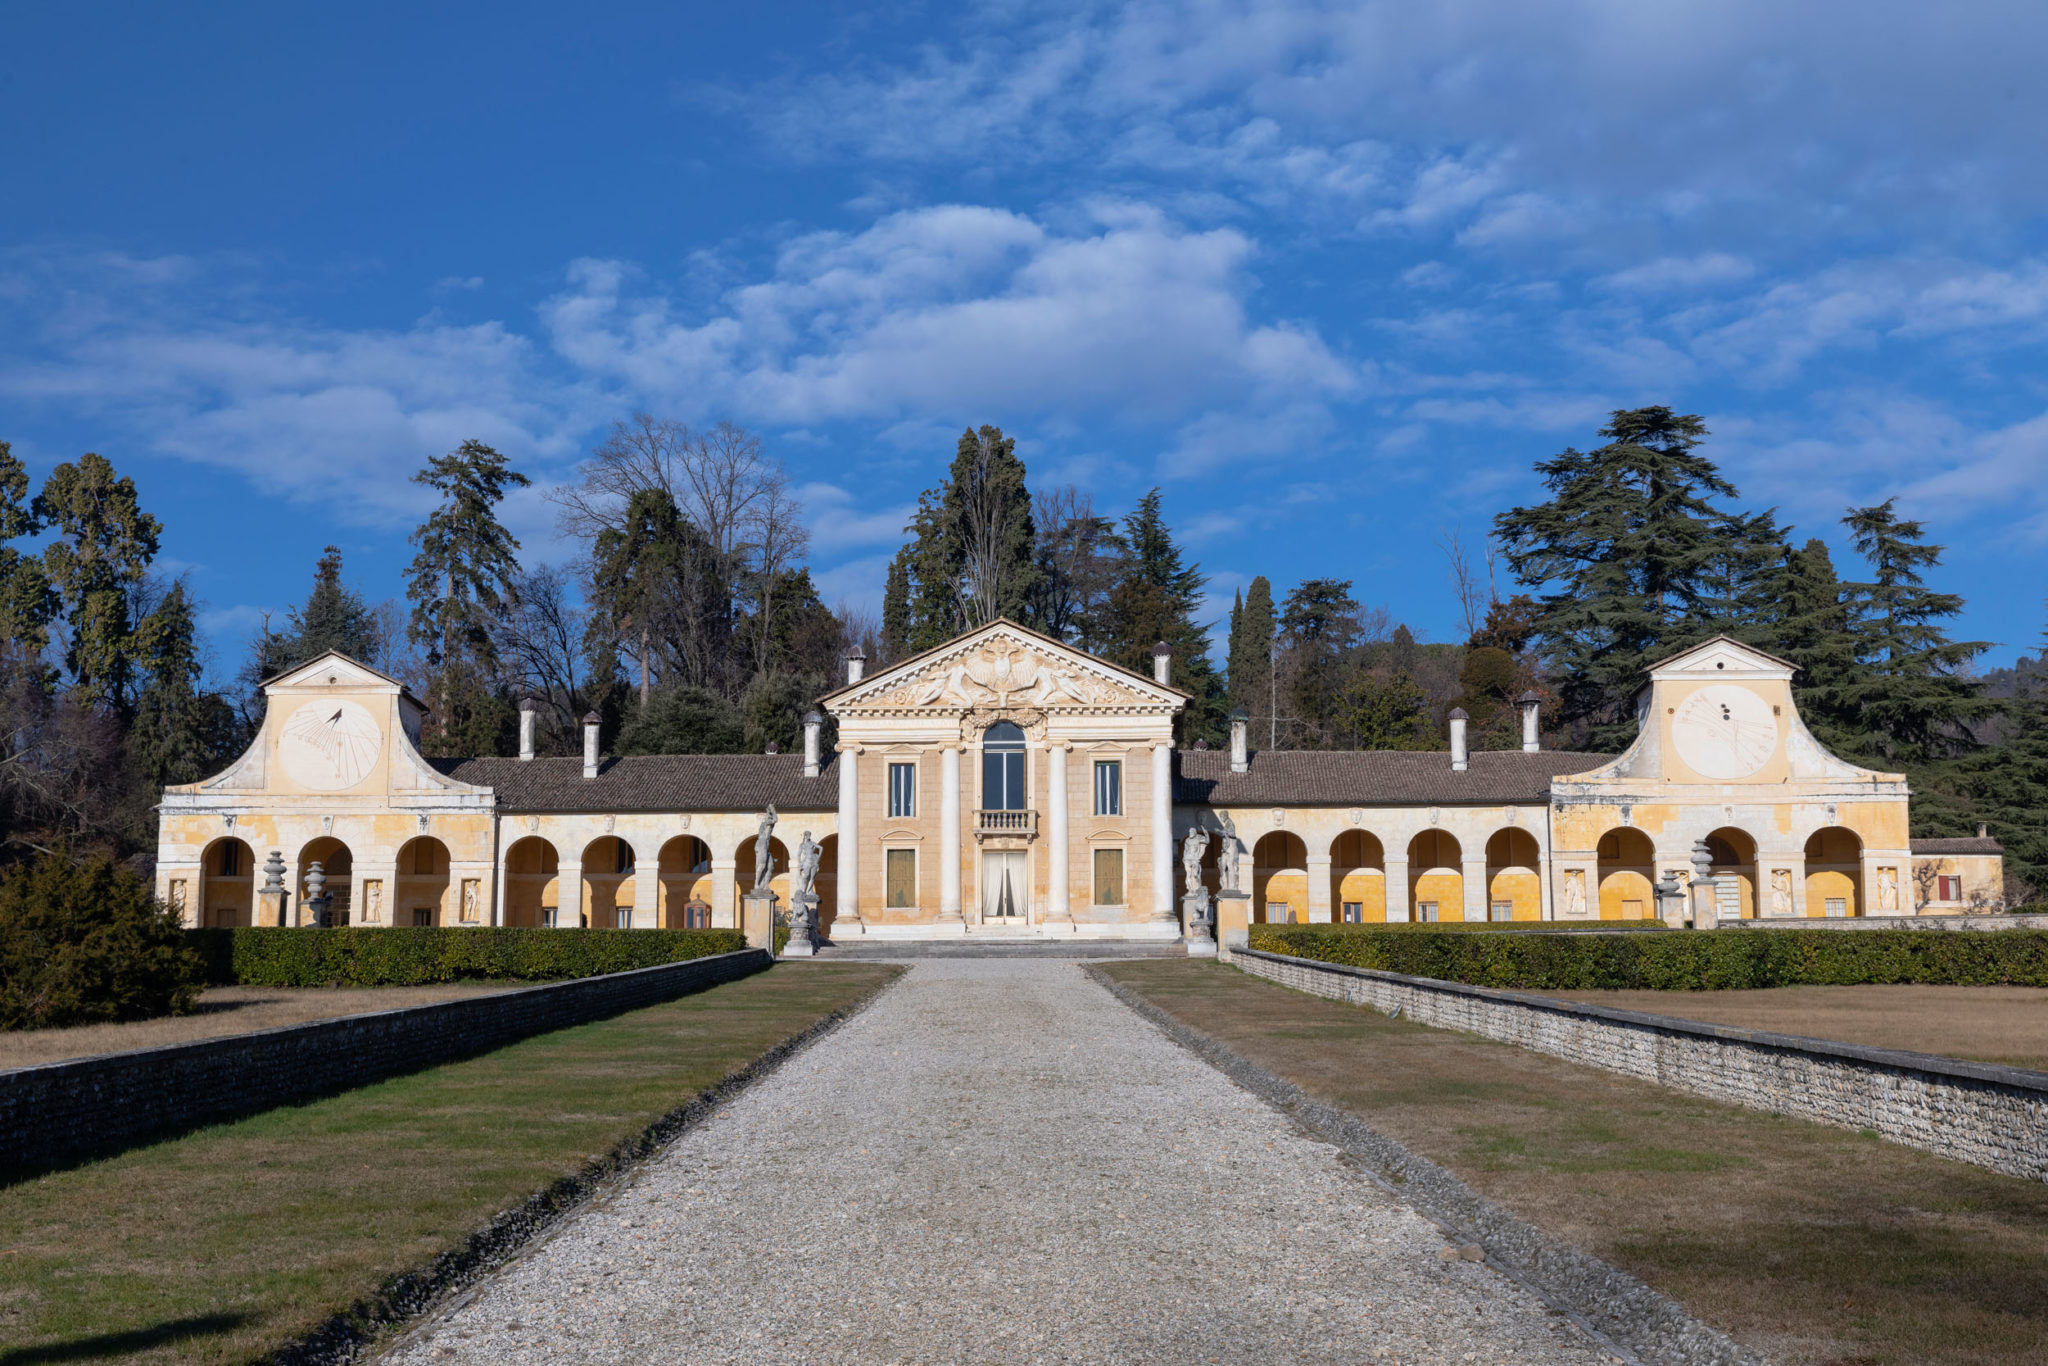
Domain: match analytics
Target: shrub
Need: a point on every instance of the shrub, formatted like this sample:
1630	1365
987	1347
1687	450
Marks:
1678	960
85	942
406	955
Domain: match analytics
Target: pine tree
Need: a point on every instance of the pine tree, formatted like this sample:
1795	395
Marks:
334	616
104	545
1639	559
459	582
1910	697
970	558
1319	630
1154	599
633	570
1252	638
180	734
1811	631
2010	787
896	628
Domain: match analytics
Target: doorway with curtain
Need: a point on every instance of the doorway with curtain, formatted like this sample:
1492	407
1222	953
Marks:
1005	894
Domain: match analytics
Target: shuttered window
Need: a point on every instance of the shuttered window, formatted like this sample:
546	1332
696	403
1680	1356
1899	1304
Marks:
902	877
1109	877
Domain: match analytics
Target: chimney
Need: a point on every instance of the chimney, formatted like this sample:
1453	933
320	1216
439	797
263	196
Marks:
1530	703
773	748
528	719
814	725
1983	830
1240	749
1162	663
590	725
856	665
1461	758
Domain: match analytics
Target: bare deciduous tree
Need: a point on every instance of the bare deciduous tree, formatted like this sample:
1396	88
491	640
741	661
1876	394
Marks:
541	642
1474	597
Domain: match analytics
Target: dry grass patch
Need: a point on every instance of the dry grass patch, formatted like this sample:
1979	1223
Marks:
1813	1245
228	1010
1990	1024
221	1245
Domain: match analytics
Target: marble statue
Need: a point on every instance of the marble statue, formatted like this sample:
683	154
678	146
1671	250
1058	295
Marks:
1191	850
1888	890
805	872
1574	894
764	850
1227	855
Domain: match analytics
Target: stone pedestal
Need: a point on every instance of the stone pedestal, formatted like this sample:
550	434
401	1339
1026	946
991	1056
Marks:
1194	921
757	918
1671	903
1706	912
803	926
1233	915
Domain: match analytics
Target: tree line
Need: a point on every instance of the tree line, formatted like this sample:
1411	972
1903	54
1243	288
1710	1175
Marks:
690	623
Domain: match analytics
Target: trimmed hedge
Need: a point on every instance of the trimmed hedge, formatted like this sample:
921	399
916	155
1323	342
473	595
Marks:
1676	960
404	955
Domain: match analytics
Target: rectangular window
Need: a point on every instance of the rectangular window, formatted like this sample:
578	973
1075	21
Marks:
1951	889
696	916
902	877
1838	905
1502	910
1109	788
1109	877
1354	912
903	790
1279	913
1425	910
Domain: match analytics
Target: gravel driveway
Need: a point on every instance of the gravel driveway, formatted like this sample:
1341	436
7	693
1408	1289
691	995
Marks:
997	1162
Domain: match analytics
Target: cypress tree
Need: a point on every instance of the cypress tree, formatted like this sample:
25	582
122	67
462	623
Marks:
1252	633
2010	785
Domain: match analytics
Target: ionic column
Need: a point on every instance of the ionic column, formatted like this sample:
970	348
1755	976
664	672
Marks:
949	831
847	888
1162	833
1058	875
568	894
724	893
1397	891
1319	889
1473	878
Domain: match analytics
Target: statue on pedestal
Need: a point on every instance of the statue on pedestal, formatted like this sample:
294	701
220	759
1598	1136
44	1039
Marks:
764	850
1227	854
1194	902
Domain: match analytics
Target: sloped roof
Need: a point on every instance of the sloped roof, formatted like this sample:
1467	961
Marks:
652	782
1967	844
905	667
1373	777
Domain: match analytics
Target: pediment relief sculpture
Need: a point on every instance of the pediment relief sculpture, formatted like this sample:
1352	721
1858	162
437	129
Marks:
1001	674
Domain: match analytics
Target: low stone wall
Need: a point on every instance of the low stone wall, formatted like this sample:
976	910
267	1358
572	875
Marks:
1992	1116
62	1112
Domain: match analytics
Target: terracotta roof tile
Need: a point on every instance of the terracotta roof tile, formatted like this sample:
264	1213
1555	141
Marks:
653	782
1373	777
1968	844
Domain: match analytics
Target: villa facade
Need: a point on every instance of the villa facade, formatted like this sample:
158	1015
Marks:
1008	785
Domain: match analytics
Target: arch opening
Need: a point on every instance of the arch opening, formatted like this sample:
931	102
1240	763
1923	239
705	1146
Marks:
1734	854
1358	878
419	895
609	883
337	864
1514	884
1436	877
532	891
227	884
1628	875
1280	879
1834	873
684	870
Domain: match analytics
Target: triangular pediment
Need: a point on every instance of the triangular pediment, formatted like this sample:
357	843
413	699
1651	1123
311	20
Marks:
1722	657
1004	665
333	669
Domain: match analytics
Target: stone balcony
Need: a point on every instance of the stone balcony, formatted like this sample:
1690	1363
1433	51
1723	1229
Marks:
1022	825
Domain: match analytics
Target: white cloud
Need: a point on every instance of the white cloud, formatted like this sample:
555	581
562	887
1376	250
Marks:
1679	273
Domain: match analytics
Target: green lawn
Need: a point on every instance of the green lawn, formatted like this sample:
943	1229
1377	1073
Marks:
231	1241
1817	1246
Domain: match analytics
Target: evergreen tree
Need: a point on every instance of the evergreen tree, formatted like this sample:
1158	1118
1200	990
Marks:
970	558
1319	631
684	720
2010	786
104	544
1387	709
27	602
180	734
1910	695
1252	638
459	582
634	570
334	616
1639	559
896	624
1155	599
1811	631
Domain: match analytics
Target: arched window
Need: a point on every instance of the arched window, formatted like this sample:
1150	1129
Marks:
1002	767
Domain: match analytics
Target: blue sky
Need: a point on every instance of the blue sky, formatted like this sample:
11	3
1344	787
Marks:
1333	276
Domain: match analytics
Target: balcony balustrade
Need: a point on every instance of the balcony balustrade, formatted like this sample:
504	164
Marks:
1013	824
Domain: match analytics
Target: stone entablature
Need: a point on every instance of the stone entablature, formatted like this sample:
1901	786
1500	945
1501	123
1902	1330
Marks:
1008	784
